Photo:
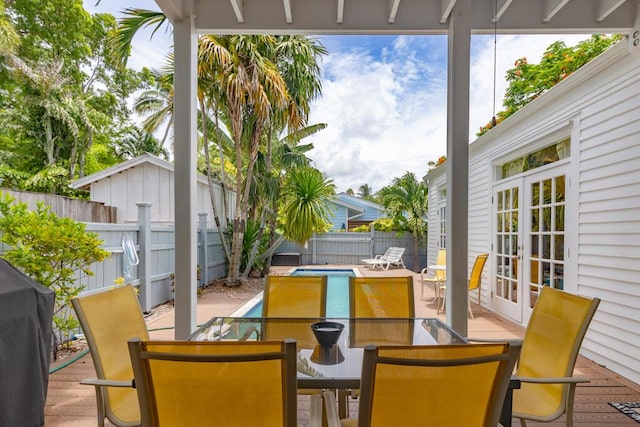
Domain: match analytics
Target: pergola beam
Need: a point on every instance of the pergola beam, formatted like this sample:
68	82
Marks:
552	7
446	8
237	9
393	10
287	11
606	8
503	5
340	12
172	9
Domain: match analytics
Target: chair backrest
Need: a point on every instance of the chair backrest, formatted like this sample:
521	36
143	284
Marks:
441	259
552	340
476	272
448	385
393	254
295	296
228	383
381	297
108	319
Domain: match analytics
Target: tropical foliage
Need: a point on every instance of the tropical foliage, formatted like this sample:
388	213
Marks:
63	101
406	202
527	81
52	251
252	90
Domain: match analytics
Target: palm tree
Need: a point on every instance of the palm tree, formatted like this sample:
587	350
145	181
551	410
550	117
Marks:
286	154
406	202
304	203
263	81
157	103
365	192
257	85
139	141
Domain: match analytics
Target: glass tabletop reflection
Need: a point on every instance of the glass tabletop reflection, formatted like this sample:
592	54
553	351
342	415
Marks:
336	365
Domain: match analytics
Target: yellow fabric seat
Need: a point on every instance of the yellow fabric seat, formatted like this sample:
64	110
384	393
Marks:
448	385
215	383
553	338
108	319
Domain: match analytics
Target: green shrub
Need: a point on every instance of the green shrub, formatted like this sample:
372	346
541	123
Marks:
52	251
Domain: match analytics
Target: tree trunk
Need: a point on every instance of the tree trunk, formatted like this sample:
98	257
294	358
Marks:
48	131
212	197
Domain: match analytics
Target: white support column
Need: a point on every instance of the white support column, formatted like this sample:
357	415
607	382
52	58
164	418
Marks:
458	164
185	82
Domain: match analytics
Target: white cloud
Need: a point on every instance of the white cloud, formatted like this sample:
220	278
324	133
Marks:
384	98
384	116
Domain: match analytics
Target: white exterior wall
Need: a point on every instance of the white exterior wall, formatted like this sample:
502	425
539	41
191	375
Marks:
609	216
599	108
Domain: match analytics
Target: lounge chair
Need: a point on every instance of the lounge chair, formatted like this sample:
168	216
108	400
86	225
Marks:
392	257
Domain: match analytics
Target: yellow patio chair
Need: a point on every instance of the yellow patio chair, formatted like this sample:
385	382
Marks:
438	385
108	319
293	296
215	383
557	326
434	278
379	298
475	282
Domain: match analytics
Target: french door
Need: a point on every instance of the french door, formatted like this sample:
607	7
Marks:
507	292
528	247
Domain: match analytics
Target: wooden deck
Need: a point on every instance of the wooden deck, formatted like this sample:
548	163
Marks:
70	404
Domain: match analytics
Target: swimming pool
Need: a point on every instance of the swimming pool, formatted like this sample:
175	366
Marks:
337	292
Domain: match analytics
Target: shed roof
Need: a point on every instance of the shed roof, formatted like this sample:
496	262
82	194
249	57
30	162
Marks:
86	181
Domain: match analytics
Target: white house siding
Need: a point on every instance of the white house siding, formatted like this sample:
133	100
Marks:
599	107
609	216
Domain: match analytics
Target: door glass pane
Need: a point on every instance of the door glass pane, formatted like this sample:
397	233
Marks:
546	235
506	250
559	189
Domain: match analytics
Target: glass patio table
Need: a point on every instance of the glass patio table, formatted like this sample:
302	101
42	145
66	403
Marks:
337	366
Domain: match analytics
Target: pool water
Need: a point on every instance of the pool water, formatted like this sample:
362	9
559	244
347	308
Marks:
337	291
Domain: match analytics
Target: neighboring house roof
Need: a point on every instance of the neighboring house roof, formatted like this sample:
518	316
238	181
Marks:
352	210
359	201
86	181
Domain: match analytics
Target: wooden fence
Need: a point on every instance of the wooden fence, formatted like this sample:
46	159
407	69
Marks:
79	210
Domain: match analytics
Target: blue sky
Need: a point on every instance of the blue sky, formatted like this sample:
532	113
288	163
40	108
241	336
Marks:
384	97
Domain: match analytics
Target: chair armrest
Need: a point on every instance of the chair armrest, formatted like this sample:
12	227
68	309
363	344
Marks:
331	409
561	380
106	383
248	333
495	340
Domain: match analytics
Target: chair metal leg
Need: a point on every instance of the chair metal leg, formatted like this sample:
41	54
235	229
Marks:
100	403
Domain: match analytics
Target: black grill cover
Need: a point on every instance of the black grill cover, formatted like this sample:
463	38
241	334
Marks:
26	312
